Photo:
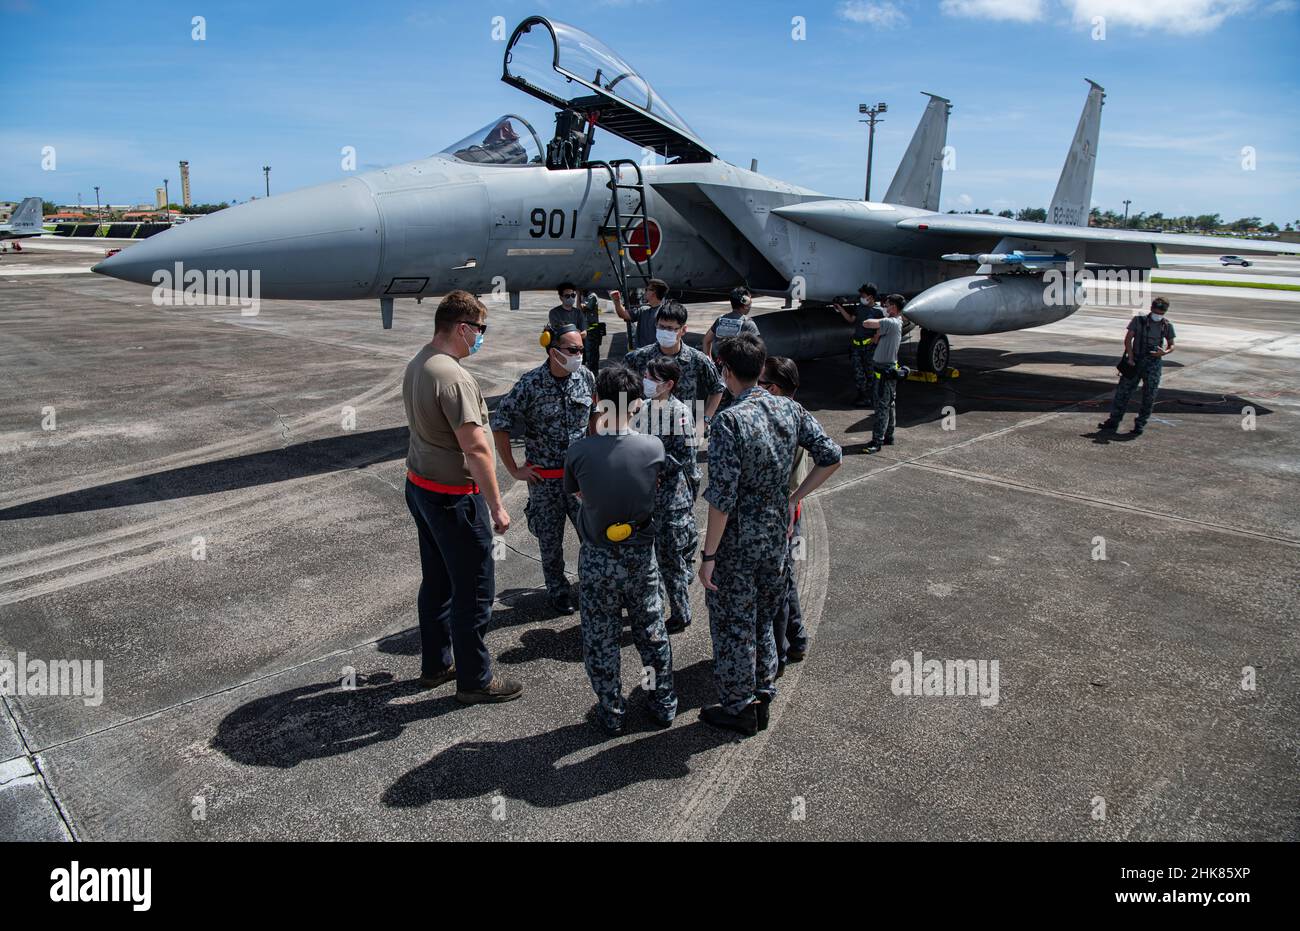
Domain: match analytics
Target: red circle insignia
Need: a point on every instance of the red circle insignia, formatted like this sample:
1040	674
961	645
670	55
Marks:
643	241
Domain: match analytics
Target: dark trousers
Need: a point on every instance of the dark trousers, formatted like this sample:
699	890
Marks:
1148	373
459	584
591	352
787	626
884	398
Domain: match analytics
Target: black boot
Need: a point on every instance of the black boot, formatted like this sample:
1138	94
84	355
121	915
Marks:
745	723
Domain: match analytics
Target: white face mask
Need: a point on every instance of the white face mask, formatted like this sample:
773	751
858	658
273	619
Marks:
569	301
650	388
864	300
667	338
1157	317
569	363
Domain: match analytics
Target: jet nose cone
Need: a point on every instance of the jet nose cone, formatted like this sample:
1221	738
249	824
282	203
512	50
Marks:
320	243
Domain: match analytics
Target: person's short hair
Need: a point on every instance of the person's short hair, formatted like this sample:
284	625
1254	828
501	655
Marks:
618	380
1160	305
868	289
671	310
658	286
565	286
783	373
741	297
458	307
897	300
743	354
665	369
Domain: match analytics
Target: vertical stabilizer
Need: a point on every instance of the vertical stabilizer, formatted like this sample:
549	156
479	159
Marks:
920	173
1072	201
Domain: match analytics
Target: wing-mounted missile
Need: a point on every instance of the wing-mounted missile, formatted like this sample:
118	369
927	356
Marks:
1015	261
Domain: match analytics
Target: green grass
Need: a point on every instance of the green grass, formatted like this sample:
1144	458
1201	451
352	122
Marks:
1266	285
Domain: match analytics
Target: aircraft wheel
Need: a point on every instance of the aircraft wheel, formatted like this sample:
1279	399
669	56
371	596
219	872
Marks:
933	352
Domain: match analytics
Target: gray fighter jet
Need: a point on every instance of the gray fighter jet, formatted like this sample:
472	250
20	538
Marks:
25	221
501	210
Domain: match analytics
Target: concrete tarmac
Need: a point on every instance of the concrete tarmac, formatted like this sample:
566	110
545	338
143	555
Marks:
266	690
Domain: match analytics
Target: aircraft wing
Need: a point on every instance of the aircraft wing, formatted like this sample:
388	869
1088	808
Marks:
980	228
903	232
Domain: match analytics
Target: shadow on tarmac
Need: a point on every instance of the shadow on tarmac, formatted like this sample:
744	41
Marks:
990	381
322	720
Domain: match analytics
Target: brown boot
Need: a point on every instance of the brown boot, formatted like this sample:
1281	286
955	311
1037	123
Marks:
498	690
432	682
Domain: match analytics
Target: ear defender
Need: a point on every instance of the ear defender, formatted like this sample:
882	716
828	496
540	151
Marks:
551	333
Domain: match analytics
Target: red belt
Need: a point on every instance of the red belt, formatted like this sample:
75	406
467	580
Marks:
417	481
545	473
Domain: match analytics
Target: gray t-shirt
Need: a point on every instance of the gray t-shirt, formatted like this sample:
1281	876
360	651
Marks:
617	475
1149	332
733	323
647	321
891	334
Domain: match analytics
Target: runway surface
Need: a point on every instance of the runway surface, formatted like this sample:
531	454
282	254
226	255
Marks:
225	712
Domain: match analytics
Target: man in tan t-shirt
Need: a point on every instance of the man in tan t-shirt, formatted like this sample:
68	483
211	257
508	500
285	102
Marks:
451	490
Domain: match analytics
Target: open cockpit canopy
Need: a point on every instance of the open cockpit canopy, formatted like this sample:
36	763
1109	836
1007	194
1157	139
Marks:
572	70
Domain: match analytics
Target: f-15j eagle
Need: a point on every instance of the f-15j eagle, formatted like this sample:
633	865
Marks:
502	211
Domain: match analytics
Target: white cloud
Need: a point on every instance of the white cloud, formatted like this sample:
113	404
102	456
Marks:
1021	11
1182	17
884	15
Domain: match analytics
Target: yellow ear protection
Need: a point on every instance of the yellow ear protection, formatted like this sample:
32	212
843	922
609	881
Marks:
617	533
551	333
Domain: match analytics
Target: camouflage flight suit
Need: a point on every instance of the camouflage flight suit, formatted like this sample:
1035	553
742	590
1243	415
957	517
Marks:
751	455
676	535
555	412
700	379
611	578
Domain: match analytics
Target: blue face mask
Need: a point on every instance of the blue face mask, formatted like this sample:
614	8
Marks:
478	343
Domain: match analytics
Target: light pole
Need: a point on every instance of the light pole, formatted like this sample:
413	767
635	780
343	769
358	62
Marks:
1126	203
167	200
99	214
872	114
266	172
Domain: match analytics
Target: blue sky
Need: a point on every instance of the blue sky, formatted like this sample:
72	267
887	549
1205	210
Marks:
123	92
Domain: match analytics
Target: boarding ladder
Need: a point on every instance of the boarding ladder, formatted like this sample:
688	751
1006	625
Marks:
616	230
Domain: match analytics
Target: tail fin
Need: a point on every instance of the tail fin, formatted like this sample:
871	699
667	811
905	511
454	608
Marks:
1072	201
920	173
27	218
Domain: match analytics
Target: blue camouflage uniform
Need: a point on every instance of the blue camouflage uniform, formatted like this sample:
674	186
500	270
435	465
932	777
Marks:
676	536
751	455
700	379
616	475
555	413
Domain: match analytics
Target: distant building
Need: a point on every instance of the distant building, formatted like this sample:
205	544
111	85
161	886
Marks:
185	184
159	197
